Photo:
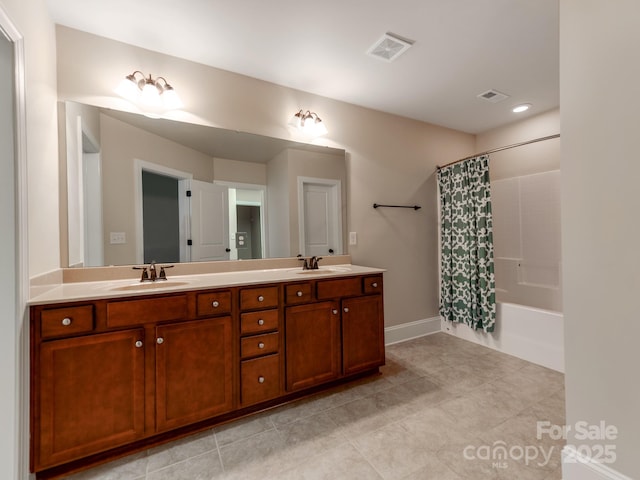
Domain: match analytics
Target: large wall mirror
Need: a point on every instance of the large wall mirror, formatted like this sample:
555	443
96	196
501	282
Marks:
139	189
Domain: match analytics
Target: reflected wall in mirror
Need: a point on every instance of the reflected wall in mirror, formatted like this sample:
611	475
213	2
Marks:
139	189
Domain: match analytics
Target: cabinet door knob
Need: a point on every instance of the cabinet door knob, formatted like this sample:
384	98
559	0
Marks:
261	322
334	311
66	321
261	345
215	304
139	344
374	284
346	309
160	341
261	298
260	379
299	293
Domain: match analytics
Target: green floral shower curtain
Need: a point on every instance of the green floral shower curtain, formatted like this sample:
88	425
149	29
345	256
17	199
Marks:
467	292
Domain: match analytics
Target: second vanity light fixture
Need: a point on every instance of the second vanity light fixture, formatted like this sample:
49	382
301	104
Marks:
309	123
154	95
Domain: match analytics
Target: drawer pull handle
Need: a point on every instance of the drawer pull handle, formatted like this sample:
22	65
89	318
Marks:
346	309
160	341
299	293
66	321
261	322
139	344
374	284
334	311
260	379
261	345
261	298
215	304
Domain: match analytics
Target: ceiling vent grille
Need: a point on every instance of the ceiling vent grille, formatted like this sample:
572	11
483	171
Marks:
493	96
389	47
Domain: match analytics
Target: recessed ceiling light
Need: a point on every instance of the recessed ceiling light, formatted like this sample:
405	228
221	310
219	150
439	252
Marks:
521	108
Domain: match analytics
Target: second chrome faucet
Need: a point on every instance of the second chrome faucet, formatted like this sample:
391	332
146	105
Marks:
310	263
150	273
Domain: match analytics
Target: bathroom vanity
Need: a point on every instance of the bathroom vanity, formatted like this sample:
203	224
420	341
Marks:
119	366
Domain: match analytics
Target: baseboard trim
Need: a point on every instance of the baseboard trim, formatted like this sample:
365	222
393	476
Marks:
411	330
576	466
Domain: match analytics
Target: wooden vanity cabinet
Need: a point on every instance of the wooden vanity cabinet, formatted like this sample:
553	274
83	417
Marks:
260	344
116	375
91	391
194	371
313	344
339	334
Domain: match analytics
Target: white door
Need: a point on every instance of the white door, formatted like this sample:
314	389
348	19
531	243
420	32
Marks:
319	208
209	222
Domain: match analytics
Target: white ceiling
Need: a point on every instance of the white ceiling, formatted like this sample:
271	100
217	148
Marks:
462	48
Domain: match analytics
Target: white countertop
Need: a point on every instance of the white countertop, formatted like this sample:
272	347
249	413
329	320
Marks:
69	292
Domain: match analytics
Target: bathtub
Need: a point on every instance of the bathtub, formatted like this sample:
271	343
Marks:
533	334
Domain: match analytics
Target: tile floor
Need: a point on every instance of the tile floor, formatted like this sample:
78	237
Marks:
440	410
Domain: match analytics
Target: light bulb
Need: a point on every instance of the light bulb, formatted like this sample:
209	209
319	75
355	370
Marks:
128	88
150	96
170	99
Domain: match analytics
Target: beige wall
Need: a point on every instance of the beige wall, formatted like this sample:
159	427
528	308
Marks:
600	95
225	170
527	159
390	159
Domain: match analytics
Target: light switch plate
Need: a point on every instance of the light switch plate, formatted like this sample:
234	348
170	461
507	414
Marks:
353	238
117	238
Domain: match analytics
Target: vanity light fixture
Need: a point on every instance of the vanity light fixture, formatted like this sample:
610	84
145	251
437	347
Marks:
521	108
308	122
155	95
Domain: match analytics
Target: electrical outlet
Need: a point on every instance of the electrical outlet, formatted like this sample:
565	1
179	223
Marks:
353	238
117	238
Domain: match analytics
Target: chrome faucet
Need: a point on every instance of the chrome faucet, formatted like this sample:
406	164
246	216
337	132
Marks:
313	262
149	274
310	263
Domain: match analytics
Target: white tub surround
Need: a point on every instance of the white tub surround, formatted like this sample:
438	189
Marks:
529	333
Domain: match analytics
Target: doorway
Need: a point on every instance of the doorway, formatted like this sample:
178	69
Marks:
160	218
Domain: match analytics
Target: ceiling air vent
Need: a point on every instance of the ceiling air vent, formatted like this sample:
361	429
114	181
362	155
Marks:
389	47
493	96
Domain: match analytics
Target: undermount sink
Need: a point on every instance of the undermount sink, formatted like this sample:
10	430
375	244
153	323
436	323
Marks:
323	270
149	285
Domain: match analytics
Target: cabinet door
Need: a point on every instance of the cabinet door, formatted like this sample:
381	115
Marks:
362	333
91	395
312	342
194	374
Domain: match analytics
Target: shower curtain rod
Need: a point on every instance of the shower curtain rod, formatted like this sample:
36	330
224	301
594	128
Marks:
499	149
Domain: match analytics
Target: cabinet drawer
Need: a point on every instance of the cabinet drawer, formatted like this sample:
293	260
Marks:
298	293
259	345
257	322
372	284
263	297
213	303
149	310
66	321
260	379
343	287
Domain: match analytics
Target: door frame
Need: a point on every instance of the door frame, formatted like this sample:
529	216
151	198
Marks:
142	165
19	358
337	197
